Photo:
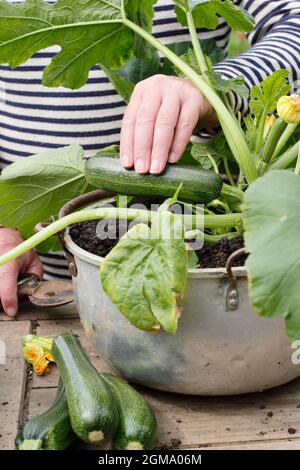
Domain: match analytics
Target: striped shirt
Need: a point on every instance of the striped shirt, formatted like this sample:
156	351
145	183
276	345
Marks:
34	118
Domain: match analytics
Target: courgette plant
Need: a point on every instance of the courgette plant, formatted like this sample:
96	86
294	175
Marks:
262	203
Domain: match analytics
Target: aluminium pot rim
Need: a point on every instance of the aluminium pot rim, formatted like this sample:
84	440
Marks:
219	273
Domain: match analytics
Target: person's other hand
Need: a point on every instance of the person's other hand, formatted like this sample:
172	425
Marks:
28	263
159	122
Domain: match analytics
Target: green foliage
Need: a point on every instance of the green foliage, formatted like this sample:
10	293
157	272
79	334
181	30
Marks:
145	274
236	85
272	223
206	14
36	187
264	97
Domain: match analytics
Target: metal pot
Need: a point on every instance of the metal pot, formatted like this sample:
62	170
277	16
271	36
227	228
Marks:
222	346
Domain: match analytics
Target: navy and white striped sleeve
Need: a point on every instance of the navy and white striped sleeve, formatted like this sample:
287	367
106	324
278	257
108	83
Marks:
275	44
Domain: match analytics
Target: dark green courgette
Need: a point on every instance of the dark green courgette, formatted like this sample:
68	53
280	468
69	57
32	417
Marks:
50	431
198	186
93	411
137	427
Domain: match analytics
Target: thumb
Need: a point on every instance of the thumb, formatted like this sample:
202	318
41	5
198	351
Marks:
35	267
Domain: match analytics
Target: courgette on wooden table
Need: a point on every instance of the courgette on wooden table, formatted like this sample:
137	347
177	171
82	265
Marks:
50	431
137	428
198	186
92	407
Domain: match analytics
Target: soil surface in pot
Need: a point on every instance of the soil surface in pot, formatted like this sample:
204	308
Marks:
85	235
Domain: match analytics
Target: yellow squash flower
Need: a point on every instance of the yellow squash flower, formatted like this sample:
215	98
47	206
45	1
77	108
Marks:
42	366
32	352
288	108
37	351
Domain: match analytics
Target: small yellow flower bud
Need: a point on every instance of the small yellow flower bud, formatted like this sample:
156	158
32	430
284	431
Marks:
270	120
288	108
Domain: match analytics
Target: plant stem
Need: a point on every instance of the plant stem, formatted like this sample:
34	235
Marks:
233	196
285	160
261	130
228	174
284	139
297	169
272	140
210	221
209	238
197	46
233	133
215	166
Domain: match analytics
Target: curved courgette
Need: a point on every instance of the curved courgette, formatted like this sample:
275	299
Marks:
137	428
93	411
198	186
50	431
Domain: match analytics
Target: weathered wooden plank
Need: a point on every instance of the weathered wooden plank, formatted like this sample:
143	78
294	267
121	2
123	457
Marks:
54	328
211	420
12	380
282	444
187	422
190	422
32	312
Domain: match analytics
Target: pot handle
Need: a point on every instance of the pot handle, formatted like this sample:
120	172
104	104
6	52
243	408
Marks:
232	293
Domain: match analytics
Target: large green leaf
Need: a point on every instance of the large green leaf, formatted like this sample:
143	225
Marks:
145	274
89	32
34	188
206	14
272	223
264	97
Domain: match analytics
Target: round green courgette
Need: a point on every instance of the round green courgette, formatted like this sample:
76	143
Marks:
198	186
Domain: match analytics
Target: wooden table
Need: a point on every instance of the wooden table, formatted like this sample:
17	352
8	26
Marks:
270	420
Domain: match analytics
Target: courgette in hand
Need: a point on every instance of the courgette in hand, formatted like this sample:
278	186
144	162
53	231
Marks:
198	186
50	431
137	428
93	411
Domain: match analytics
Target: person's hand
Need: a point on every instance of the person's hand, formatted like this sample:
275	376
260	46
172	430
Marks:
159	122
28	263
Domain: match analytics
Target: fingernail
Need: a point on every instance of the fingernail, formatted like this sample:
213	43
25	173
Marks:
11	312
172	157
139	165
125	160
155	166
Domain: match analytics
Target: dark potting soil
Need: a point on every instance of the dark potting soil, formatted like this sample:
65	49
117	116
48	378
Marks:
99	239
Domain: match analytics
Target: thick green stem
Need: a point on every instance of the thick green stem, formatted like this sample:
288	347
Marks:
284	139
233	133
286	159
297	169
233	196
272	140
261	130
210	221
197	47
